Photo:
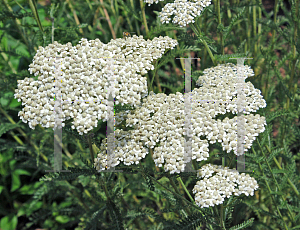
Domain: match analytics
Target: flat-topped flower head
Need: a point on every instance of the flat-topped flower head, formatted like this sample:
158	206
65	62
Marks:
219	89
85	70
219	183
160	122
185	11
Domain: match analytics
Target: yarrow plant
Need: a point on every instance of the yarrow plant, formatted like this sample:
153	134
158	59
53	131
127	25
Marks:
157	122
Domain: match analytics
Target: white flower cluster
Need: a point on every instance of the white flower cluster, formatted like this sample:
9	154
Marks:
159	122
185	11
221	182
126	151
152	1
84	79
219	86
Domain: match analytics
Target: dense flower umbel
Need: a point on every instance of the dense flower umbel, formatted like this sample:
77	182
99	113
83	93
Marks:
84	79
185	11
220	83
221	182
159	122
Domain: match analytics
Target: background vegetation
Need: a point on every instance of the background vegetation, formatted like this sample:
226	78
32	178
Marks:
145	199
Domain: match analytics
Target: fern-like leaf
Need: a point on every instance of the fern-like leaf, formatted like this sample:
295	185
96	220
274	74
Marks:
7	127
115	215
247	223
234	21
227	57
189	223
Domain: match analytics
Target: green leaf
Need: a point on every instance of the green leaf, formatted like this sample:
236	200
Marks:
4	128
277	193
234	21
9	222
1	188
243	225
62	219
14	103
191	222
15	177
22	172
84	180
220	28
34	10
278	171
4	102
28	209
15	182
191	48
227	57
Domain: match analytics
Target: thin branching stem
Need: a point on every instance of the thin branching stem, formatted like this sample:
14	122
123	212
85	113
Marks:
275	179
204	43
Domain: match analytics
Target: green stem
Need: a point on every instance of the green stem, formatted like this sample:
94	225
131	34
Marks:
181	60
254	30
239	24
194	164
275	179
231	159
81	203
104	187
157	78
204	43
176	190
289	181
222	224
185	189
248	32
269	189
91	149
204	53
294	54
144	16
176	194
275	19
221	33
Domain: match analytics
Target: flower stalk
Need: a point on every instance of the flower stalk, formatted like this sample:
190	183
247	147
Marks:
221	32
144	16
204	43
185	189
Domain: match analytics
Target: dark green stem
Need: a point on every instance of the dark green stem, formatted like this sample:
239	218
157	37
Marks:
91	149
